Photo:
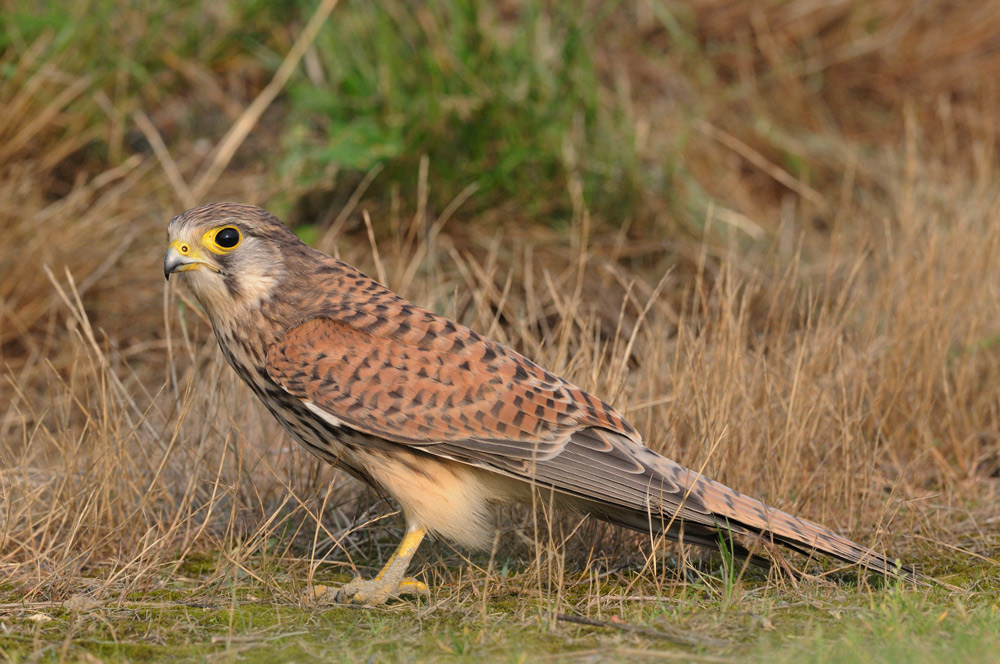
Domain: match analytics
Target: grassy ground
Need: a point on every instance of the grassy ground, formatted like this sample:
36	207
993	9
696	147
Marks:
767	234
816	626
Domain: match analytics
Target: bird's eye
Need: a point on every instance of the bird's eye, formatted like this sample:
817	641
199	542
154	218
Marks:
227	238
222	240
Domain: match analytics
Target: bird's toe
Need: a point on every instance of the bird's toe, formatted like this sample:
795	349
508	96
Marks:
374	592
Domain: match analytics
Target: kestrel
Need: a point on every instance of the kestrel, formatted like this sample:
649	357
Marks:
448	422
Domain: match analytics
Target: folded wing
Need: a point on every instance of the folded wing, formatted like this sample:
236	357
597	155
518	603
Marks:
416	379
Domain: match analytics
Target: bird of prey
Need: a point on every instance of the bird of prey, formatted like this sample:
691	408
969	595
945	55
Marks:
449	423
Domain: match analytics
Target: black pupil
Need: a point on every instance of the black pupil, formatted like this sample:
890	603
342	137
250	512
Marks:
227	238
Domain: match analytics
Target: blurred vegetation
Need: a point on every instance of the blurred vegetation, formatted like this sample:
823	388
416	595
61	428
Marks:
514	106
649	114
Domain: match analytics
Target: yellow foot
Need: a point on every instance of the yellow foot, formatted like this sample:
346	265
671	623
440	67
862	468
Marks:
372	592
319	591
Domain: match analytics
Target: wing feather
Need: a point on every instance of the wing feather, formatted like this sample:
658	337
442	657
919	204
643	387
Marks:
488	406
431	384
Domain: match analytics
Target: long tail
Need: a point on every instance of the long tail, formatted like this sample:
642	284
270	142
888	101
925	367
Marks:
697	509
739	512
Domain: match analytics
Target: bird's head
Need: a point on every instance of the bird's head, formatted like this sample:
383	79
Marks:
229	255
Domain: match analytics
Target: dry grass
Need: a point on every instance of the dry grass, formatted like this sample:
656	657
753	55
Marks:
843	369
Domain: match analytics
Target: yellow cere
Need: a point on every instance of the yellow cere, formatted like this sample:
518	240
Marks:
190	252
210	242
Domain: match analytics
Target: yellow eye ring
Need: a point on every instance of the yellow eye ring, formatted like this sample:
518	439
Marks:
222	240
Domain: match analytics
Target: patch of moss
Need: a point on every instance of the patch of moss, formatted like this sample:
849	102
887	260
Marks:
197	563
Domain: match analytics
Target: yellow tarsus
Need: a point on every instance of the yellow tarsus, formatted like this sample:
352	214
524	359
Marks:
391	580
407	547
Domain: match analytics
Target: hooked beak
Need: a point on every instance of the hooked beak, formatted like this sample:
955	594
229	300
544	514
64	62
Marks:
181	257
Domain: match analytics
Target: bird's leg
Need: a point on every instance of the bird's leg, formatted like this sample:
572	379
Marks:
391	581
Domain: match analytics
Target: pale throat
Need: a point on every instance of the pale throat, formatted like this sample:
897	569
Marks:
255	307
234	309
256	289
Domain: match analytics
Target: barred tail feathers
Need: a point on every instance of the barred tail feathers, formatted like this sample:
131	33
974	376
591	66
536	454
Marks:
741	512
